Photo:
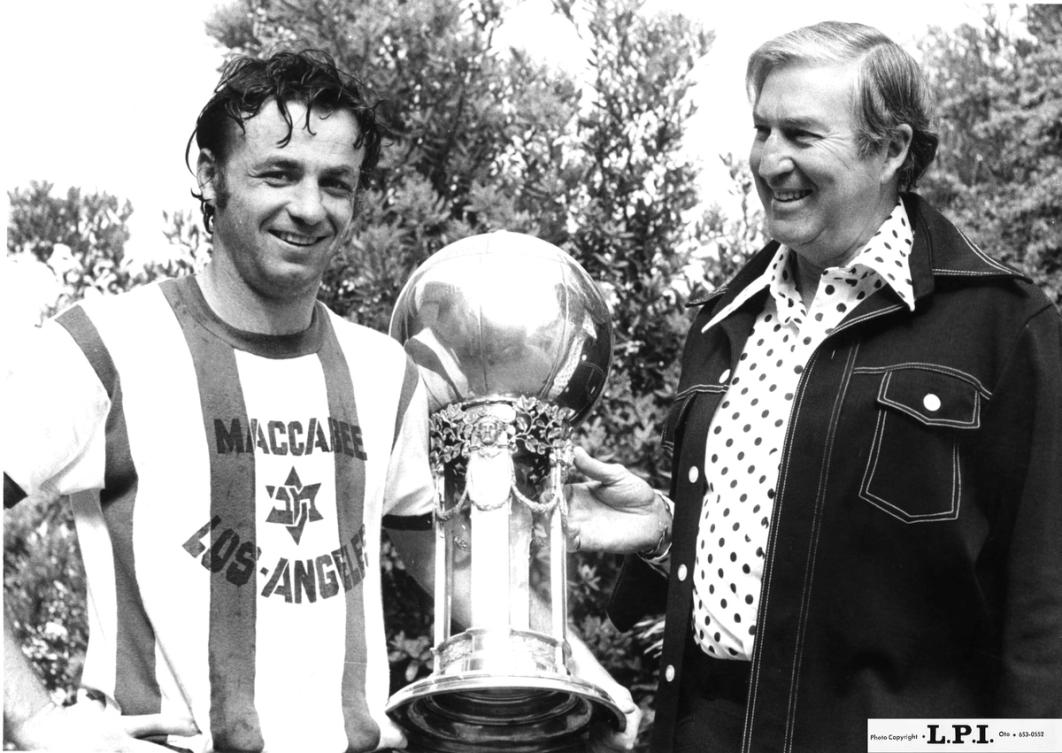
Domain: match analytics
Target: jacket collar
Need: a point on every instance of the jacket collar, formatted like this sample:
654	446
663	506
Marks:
942	250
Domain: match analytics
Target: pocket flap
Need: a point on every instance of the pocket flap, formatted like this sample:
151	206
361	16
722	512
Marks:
935	398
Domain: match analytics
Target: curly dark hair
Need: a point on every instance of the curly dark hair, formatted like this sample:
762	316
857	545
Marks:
309	77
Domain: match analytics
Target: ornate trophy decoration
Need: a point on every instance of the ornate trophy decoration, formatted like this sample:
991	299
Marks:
513	341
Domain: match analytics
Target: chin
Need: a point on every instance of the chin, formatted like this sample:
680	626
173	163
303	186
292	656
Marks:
290	287
787	233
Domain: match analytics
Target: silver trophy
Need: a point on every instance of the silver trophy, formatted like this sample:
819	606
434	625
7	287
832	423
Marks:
513	341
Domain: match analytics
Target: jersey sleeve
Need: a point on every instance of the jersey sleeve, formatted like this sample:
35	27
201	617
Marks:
53	409
410	490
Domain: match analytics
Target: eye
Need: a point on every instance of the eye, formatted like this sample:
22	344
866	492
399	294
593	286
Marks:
340	188
277	177
801	136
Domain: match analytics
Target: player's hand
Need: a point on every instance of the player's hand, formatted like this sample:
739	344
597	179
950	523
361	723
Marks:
89	727
604	739
391	736
614	511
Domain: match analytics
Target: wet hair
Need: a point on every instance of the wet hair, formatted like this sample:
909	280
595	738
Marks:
308	77
891	89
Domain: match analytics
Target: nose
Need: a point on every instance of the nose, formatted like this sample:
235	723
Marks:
770	157
306	205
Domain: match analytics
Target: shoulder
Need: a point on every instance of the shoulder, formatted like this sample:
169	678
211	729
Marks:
705	306
128	311
365	341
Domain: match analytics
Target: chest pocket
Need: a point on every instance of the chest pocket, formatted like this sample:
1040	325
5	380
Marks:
915	471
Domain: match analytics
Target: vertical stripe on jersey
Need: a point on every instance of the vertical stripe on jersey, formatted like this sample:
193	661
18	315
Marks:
233	716
362	732
136	688
409	385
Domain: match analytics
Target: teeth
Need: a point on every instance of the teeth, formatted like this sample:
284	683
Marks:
296	239
790	195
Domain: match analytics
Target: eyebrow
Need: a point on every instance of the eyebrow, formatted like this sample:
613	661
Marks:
284	163
274	161
802	123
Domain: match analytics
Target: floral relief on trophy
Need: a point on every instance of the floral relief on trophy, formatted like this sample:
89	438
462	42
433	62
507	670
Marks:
535	434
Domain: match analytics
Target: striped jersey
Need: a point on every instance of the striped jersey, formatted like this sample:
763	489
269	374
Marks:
228	489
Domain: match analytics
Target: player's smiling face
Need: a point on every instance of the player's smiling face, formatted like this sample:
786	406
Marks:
282	208
821	197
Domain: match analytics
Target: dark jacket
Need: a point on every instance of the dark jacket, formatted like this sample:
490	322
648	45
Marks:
914	566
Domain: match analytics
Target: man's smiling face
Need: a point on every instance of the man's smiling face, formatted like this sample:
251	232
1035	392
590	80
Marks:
821	198
282	208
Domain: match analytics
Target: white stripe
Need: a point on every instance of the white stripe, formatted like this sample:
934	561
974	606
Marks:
300	646
102	603
166	442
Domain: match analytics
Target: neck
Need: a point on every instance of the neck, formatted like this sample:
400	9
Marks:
239	306
807	279
808	273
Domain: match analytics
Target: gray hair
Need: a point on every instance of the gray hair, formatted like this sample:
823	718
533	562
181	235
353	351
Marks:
891	90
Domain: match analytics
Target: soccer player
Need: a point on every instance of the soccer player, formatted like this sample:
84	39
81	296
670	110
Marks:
230	447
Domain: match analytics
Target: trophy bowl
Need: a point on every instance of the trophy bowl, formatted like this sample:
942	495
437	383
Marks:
513	342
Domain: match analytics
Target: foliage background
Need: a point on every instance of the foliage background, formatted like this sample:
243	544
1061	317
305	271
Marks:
491	139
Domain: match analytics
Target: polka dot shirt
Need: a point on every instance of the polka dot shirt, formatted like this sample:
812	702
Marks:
747	432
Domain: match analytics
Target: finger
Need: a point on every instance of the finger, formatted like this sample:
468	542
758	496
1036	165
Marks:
616	741
574	540
597	470
603	739
391	736
159	724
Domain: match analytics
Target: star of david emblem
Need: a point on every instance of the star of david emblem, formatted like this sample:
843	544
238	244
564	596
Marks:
296	505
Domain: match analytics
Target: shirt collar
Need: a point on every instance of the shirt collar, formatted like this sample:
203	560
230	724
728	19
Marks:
886	255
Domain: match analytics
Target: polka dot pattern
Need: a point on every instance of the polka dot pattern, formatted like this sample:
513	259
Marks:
745	439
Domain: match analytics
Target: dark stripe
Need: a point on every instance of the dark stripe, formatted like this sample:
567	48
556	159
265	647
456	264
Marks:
136	687
232	639
410	380
362	732
423	522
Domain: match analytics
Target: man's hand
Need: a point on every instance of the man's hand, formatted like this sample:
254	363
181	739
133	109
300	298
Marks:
33	722
615	511
391	736
602	737
87	726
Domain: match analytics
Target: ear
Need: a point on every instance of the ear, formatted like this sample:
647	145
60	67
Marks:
206	172
896	149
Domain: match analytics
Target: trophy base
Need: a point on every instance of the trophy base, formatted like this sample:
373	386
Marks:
521	714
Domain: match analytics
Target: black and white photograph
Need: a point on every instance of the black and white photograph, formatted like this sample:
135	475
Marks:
537	376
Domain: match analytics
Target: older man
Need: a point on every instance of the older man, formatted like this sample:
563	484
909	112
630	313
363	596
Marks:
230	447
866	442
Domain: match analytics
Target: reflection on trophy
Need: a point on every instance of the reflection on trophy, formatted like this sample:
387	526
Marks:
513	341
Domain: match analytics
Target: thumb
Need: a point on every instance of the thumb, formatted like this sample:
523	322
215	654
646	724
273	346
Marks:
596	470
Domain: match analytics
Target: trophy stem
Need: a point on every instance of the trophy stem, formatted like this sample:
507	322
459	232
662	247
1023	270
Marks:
490	568
504	682
443	589
558	575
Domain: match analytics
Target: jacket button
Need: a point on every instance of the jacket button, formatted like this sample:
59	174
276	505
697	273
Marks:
682	572
669	673
931	402
694	474
724	376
